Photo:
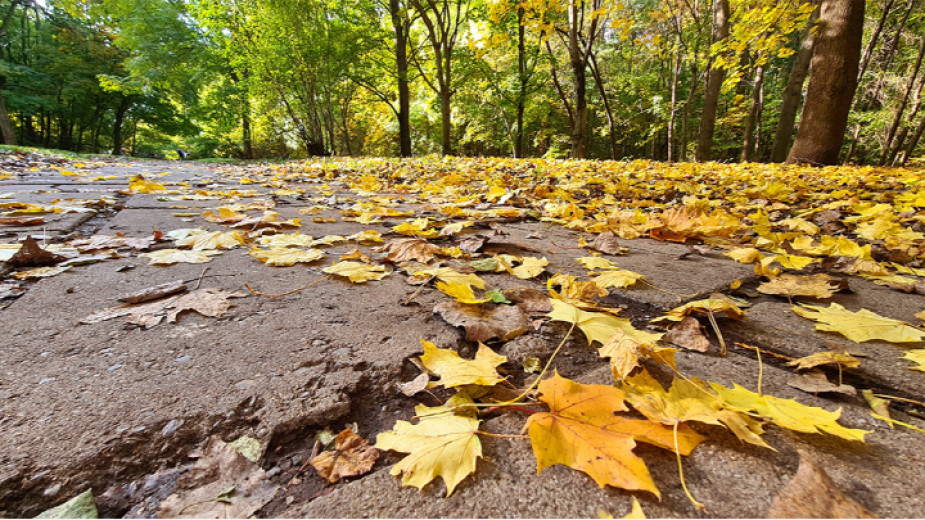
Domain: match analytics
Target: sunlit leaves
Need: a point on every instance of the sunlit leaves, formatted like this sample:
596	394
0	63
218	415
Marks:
859	326
456	371
357	272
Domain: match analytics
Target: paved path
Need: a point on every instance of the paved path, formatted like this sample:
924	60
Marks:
108	404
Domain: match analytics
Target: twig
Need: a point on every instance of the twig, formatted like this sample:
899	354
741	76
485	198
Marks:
418	291
249	288
200	277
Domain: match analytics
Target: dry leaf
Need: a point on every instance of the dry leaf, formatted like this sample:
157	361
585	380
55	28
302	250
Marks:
286	256
97	242
617	278
41	272
222	484
213	240
825	358
155	292
607	243
352	456
21	221
405	249
687	334
416	385
484	322
208	302
812	494
176	256
357	272
916	356
819	286
286	240
816	382
597	326
626	348
31	255
532	301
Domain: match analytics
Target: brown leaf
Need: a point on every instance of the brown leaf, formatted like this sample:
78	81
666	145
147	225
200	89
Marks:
222	484
484	321
405	249
21	221
208	302
473	244
352	456
153	293
687	334
607	243
97	242
812	494
815	382
532	301
416	385
31	255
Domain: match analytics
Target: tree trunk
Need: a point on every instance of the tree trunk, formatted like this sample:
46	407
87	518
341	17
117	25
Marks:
445	118
672	119
748	142
793	93
401	62
578	63
124	105
522	75
611	122
907	153
874	36
898	117
831	84
715	78
6	126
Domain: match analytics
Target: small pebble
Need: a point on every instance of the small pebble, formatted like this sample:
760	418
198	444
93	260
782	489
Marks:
47	380
52	491
182	359
115	367
171	427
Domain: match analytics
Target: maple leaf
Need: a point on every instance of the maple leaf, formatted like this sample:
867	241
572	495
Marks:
819	286
357	272
916	356
224	216
370	236
442	444
606	243
268	219
596	262
139	184
582	431
704	307
456	371
530	267
208	302
406	249
687	334
596	326
419	227
30	254
787	413
460	292
41	272
816	382
824	358
812	494
484	322
286	256
176	256
860	326
352	456
213	240
617	278
286	240
327	240
626	349
688	400
573	291
450	276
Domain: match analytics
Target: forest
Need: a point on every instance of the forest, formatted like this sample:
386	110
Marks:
668	80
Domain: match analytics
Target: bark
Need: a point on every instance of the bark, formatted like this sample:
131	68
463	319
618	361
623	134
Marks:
874	36
124	105
611	122
6	126
578	63
898	116
522	75
831	84
754	114
793	93
672	119
715	78
913	142
401	63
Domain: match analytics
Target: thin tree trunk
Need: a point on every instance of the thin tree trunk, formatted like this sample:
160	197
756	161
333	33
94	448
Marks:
578	63
715	78
748	142
916	136
672	118
897	118
793	93
832	83
124	105
874	36
401	63
522	76
6	126
611	122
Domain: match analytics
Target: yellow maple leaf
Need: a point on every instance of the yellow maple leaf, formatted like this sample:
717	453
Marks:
787	413
708	306
745	255
618	278
450	276
916	356
626	348
213	240
139	184
825	358
224	216
596	262
582	431
573	291
860	326
286	240
357	272
286	256
370	236
461	292
441	444
596	326
419	227
456	371
176	256
530	267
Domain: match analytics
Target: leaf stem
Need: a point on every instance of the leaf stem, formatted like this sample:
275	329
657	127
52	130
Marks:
501	435
677	451
760	369
719	335
545	369
249	288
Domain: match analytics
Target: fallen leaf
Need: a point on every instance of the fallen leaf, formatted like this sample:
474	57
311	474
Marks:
176	256
812	494
530	267
825	358
97	242
442	444
139	184
250	447
573	291
81	506
687	334
880	408
596	262
460	292
268	219
357	272
31	255
10	290
21	221
286	256
582	431
286	240
370	236
627	349
213	240
819	286
596	326
155	292
532	301
456	371
352	456
450	276
484	322
222	484
607	243
208	302
636	512
41	272
328	240
405	249
916	356
416	385
617	278
713	306
816	382
860	326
